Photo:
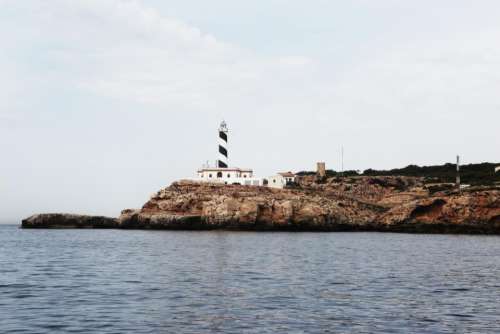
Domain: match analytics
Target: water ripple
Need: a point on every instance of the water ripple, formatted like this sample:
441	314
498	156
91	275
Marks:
93	281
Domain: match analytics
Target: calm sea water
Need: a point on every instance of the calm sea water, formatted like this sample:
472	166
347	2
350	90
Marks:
113	281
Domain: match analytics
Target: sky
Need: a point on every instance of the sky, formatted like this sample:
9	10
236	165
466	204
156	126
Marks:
104	102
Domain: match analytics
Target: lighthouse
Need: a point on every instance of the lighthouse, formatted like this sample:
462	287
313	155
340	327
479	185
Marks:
222	162
222	173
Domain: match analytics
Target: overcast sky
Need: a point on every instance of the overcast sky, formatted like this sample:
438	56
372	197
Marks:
103	102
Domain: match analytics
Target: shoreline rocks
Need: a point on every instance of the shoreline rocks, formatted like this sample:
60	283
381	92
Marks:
383	204
64	220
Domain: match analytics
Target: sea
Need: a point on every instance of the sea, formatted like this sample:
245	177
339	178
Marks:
132	281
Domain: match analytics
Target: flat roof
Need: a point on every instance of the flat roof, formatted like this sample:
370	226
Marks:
229	169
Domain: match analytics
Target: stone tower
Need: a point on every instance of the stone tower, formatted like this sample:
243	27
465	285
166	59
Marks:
320	169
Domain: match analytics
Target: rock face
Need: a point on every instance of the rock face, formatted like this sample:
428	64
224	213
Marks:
59	220
469	212
394	204
356	204
189	205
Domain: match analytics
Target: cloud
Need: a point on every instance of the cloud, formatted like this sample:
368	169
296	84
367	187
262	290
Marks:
128	52
120	49
441	78
295	61
124	95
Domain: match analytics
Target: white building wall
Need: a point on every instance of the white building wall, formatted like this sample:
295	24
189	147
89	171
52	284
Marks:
249	181
231	173
276	181
241	176
231	176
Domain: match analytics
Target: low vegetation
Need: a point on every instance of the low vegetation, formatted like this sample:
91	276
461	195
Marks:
473	174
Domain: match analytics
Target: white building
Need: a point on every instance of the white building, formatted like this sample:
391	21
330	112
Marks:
497	169
228	176
289	176
280	180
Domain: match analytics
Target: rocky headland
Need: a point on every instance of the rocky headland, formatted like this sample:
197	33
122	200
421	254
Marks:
361	203
66	220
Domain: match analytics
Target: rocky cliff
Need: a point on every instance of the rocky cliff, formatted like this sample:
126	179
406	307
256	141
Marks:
210	206
400	204
352	204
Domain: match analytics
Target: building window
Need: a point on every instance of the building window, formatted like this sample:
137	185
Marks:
245	175
228	175
219	174
274	181
209	175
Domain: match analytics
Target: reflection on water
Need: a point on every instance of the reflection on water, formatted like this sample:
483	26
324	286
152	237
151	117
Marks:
113	281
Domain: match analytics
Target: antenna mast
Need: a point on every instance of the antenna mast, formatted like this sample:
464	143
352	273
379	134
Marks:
342	159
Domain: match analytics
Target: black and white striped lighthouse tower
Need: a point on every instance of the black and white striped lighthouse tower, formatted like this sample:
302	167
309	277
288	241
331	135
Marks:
222	162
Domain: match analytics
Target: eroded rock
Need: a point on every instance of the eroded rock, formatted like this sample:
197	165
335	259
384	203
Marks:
395	204
62	220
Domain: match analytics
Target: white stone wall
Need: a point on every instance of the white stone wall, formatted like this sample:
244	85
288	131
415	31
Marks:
276	181
224	174
248	181
218	174
231	176
246	174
